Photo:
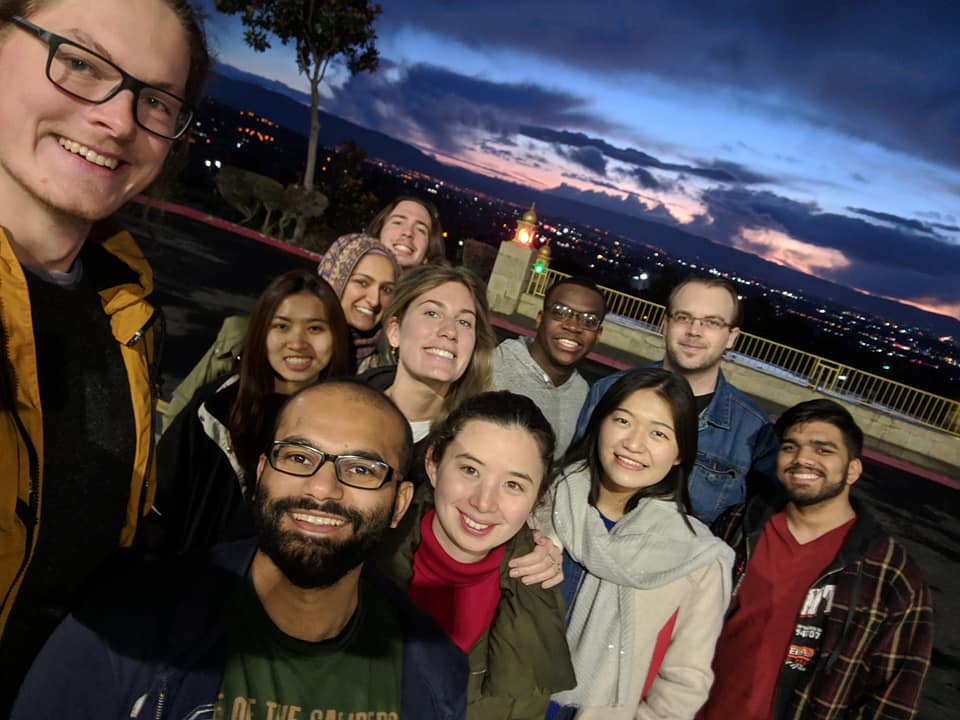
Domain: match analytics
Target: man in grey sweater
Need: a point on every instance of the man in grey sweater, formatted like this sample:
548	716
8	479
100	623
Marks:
544	367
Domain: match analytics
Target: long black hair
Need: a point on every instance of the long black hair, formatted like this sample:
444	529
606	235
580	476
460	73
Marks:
250	419
675	390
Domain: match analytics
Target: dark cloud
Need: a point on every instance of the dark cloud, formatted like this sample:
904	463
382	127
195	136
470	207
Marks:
930	228
907	223
436	104
645	178
589	157
628	205
717	170
885	71
491	149
948	228
934	215
594	182
924	264
727	171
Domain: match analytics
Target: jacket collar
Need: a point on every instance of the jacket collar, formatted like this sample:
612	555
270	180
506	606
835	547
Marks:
719	412
863	535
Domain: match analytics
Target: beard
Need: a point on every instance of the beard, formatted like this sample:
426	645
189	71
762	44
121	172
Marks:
827	491
312	563
679	363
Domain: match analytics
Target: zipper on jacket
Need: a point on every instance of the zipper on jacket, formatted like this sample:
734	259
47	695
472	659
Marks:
27	512
161	701
153	366
835	652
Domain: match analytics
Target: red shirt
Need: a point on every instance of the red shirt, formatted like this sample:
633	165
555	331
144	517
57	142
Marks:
461	597
756	636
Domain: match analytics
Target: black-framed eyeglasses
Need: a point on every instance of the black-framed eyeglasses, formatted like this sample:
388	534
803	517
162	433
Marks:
710	322
586	320
302	460
89	76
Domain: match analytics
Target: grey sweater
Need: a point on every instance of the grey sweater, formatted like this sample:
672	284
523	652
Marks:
515	370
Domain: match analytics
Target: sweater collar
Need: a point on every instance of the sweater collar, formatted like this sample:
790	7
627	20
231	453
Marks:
440	564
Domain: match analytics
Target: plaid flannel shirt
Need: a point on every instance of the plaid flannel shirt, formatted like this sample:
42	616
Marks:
877	637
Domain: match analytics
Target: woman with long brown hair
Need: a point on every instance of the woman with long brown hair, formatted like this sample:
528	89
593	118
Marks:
208	457
437	327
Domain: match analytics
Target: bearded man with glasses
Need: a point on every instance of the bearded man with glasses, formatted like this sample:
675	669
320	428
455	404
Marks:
96	96
735	440
289	624
544	367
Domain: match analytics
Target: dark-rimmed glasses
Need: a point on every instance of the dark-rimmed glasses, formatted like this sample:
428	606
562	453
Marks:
586	320
302	460
88	76
711	322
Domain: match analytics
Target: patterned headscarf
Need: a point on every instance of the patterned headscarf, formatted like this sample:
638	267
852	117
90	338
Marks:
338	263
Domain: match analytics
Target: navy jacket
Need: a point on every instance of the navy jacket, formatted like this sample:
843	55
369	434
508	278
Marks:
162	653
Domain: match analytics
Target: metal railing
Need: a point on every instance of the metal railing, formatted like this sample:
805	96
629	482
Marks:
830	377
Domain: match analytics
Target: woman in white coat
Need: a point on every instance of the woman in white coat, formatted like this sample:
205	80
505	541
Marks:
646	584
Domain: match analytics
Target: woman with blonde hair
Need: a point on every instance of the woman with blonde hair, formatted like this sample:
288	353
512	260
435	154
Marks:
437	327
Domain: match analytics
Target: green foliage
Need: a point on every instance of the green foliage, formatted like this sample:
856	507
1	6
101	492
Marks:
342	181
320	30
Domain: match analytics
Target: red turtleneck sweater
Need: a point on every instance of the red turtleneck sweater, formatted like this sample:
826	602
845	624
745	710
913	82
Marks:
461	597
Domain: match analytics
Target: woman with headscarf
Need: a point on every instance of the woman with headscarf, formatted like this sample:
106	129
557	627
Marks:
363	273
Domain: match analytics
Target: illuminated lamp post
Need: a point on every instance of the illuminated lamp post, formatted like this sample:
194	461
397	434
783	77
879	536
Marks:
526	228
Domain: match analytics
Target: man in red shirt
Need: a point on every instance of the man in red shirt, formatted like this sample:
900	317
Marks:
830	618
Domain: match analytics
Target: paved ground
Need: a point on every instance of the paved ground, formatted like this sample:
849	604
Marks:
203	273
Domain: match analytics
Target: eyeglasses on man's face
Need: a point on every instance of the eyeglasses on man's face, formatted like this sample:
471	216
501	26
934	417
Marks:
586	320
711	322
302	460
86	75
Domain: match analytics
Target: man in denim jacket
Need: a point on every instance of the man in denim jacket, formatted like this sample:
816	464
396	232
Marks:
735	436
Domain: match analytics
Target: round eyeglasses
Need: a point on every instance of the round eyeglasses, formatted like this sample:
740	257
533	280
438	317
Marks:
356	471
86	75
586	320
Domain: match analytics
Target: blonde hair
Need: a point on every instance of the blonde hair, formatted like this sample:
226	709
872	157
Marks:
479	373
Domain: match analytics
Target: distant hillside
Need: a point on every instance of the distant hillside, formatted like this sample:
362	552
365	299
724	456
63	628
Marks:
289	107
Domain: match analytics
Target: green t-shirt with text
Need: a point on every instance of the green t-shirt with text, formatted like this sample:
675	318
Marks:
272	676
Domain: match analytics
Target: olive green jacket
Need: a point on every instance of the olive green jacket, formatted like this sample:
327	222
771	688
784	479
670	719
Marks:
220	360
522	658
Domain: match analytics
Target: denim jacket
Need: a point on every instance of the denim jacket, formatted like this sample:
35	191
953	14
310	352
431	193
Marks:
735	440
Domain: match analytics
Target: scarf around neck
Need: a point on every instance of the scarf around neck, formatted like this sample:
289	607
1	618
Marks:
649	547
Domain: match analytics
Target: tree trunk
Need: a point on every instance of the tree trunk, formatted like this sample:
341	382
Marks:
314	133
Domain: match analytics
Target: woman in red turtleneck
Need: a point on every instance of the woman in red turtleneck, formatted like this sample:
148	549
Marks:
488	464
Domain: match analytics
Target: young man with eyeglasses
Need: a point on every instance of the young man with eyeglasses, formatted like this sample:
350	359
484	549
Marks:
95	95
544	367
735	438
287	625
